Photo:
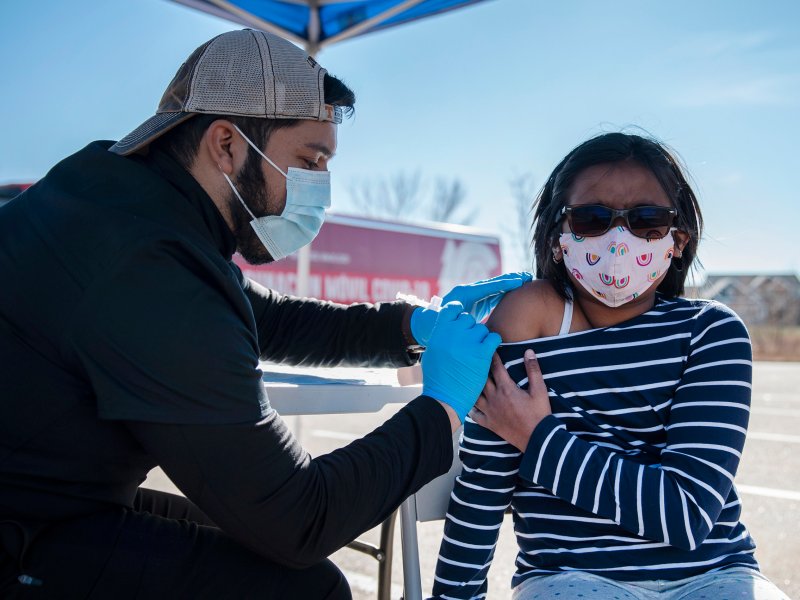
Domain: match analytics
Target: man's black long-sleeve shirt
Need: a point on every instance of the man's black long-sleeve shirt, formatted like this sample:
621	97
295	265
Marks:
128	339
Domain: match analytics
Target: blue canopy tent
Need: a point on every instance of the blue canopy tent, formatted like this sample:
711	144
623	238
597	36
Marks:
315	24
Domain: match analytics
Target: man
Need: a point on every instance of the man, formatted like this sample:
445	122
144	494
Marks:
128	339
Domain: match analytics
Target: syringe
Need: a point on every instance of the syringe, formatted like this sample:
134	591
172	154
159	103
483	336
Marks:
435	302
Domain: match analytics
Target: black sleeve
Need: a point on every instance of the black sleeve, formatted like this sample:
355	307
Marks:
164	337
258	484
308	332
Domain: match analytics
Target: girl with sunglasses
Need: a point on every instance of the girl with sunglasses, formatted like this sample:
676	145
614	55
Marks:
631	403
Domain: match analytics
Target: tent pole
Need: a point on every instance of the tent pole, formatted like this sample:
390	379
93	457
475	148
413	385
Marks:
364	25
254	21
304	254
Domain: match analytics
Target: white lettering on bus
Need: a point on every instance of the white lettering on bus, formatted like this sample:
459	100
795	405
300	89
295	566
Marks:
386	289
343	287
285	283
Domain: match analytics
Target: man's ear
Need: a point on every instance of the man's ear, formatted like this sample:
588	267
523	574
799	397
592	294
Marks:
221	151
223	146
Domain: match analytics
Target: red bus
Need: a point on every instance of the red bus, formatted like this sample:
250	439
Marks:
359	259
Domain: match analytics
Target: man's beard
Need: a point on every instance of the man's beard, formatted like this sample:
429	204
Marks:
253	188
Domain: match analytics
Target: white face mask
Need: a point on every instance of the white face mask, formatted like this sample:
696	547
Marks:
616	267
308	194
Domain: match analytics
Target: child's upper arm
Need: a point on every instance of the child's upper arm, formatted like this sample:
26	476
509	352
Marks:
531	311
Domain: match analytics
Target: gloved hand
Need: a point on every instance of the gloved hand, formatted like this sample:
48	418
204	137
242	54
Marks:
456	364
478	299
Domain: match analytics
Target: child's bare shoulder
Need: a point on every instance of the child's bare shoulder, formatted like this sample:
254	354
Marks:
527	312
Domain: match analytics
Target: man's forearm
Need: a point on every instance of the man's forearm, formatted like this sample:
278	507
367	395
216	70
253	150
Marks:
308	332
263	489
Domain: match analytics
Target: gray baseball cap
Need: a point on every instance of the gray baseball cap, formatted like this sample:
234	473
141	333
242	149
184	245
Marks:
246	73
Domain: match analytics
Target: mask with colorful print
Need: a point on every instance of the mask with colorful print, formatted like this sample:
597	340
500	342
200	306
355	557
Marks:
616	267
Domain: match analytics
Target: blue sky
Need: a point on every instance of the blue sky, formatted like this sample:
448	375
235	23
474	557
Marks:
482	94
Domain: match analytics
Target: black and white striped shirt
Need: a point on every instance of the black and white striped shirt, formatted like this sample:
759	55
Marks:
631	477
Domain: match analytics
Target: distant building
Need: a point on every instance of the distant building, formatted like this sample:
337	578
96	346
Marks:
758	299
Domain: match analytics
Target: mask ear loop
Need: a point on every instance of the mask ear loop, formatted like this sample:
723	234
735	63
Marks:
235	191
256	148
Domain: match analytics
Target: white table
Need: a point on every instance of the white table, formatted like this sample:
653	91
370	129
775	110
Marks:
344	390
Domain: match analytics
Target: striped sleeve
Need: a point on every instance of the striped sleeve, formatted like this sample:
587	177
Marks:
676	502
480	496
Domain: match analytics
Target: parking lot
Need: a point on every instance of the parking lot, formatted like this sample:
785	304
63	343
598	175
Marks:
768	479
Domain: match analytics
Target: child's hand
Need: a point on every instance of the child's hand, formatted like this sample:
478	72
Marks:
509	411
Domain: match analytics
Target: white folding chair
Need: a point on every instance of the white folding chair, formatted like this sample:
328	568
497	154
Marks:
428	504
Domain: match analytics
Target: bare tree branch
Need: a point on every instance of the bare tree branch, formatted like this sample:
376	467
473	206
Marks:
363	197
448	199
523	191
403	192
394	197
402	196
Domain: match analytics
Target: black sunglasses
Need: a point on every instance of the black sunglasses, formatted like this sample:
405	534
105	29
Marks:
589	220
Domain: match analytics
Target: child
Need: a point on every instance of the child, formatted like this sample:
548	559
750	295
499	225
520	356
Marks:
620	471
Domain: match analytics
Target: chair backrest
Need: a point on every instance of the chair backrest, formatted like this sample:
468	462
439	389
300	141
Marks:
428	504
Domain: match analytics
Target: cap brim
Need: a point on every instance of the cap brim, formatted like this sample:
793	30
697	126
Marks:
148	131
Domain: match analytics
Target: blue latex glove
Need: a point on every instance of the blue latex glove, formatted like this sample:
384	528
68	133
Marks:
456	364
478	299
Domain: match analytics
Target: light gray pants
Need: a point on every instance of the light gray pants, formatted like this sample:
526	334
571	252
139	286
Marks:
737	583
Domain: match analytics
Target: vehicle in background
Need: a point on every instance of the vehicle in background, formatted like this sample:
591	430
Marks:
359	259
11	190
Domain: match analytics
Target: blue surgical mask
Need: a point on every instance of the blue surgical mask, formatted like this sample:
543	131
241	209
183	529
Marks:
308	194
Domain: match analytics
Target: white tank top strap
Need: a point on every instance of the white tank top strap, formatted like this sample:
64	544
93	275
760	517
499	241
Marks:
566	322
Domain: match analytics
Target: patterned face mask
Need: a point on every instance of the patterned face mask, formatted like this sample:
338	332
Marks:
616	267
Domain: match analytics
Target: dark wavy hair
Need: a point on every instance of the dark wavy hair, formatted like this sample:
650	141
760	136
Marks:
611	148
